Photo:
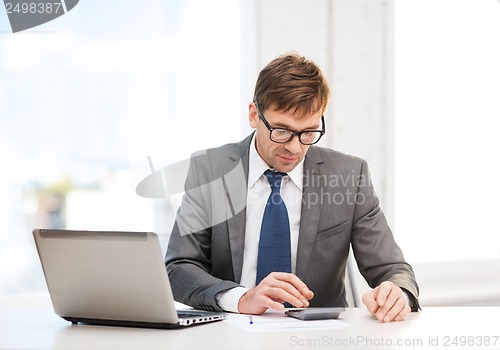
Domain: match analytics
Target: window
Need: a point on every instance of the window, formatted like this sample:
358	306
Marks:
84	102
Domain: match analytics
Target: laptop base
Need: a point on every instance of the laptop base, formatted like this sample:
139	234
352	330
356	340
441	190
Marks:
133	324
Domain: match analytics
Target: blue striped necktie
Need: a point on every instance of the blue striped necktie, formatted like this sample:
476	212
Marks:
274	242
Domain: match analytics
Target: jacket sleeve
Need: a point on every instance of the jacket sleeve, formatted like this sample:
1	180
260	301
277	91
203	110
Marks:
378	256
189	254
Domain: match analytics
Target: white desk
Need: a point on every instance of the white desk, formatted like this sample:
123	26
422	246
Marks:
30	323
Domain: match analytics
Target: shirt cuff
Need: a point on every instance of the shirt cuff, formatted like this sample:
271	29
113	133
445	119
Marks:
405	295
413	302
228	300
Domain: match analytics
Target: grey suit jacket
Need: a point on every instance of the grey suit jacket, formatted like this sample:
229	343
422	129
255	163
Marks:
339	209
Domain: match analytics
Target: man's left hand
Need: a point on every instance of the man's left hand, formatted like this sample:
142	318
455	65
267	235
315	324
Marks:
387	302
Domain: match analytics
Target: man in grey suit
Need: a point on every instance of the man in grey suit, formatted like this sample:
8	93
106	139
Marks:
214	258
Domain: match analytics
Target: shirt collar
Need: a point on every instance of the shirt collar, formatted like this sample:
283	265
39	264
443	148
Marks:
257	167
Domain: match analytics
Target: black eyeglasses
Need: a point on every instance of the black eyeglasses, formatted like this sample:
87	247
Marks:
282	135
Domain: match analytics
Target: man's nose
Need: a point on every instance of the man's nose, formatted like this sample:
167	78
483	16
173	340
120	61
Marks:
294	145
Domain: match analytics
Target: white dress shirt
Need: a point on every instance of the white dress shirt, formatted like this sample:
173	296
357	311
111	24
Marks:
257	195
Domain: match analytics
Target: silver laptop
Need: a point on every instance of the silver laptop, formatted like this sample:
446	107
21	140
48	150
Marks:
111	278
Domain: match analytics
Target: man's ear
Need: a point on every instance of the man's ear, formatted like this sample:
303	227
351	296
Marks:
253	115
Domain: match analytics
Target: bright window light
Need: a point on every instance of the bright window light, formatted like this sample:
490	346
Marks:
87	97
447	130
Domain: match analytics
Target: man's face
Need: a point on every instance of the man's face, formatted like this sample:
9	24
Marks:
282	157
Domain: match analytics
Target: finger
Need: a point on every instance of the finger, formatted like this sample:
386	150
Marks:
282	295
403	313
281	291
269	303
396	308
394	295
299	299
383	291
293	285
269	299
369	300
296	282
252	303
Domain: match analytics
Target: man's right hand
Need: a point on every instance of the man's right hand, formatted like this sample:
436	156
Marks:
274	290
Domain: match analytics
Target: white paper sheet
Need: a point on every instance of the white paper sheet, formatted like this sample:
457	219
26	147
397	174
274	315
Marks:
273	321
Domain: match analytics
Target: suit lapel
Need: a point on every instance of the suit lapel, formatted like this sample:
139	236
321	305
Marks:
310	213
236	172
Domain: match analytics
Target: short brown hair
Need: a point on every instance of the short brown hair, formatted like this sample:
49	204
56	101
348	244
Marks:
292	83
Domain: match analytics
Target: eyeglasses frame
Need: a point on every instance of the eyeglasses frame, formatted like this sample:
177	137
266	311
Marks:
294	133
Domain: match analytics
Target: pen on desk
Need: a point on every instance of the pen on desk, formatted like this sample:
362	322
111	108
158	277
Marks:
251	319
